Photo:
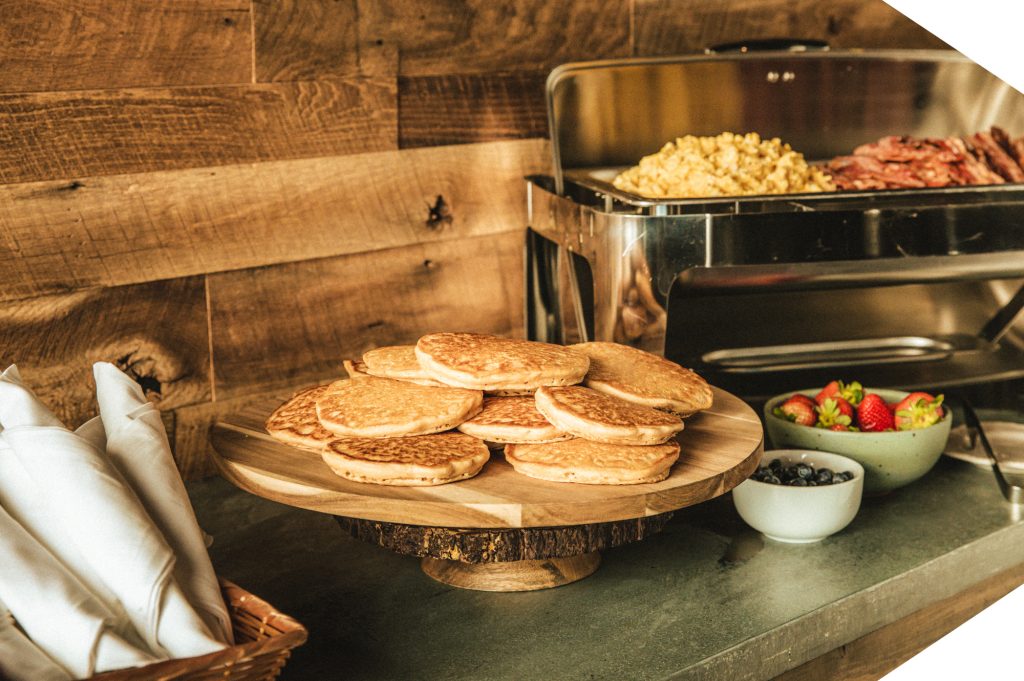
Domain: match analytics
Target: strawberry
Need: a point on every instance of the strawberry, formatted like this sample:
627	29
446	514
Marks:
918	410
873	414
799	409
851	392
838	427
828	391
834	411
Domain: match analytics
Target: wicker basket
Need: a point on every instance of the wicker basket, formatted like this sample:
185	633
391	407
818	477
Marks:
264	639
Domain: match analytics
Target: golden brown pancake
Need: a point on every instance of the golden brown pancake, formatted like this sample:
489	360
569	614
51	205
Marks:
637	376
595	416
408	461
295	421
482	362
397	362
593	463
510	420
381	407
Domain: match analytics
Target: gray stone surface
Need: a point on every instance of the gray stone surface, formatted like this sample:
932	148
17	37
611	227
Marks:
706	599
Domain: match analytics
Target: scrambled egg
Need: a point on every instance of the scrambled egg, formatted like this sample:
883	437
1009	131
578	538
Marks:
726	165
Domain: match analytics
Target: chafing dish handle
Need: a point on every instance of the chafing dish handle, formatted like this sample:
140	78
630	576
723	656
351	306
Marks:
848	273
770	45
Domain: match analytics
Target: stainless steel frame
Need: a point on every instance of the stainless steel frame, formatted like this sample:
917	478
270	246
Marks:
766	293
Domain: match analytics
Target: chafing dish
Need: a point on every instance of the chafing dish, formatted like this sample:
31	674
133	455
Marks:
766	293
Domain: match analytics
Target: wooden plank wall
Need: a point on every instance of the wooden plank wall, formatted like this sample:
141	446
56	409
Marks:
226	197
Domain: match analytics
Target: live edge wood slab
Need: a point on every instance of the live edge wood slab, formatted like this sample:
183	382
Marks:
543	533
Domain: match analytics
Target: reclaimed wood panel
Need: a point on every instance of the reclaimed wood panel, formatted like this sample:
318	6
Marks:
873	655
437	110
189	431
89	133
105	231
664	27
156	332
280	326
58	45
441	37
302	39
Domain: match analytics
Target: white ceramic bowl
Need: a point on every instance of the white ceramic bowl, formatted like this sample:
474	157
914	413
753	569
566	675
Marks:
801	515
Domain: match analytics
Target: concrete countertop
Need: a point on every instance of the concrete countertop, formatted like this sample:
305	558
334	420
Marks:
706	598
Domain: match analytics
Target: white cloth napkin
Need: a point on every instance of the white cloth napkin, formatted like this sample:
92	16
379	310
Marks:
136	443
20	658
116	539
57	612
20	498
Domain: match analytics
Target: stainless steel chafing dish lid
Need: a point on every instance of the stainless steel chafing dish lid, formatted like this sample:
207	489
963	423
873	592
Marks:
606	115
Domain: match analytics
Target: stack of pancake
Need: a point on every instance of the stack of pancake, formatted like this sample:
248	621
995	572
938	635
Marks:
598	413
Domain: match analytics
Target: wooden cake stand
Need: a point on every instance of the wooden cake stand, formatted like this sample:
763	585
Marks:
498	531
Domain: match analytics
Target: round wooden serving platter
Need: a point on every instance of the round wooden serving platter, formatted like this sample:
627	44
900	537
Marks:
462	529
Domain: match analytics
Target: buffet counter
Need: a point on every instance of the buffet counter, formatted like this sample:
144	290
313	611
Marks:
706	598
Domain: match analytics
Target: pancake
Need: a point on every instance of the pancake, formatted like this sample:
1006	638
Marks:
641	377
482	362
407	461
381	407
595	416
593	463
397	362
295	421
511	420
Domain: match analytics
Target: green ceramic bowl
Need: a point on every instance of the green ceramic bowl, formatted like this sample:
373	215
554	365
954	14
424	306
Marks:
890	460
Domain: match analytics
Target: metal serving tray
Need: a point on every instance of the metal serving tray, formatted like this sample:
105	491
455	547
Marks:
598	181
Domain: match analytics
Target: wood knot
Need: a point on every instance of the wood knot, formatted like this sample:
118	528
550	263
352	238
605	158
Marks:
70	187
439	214
141	370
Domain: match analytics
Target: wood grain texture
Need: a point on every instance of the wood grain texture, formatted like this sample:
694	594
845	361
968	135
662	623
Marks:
664	27
520	575
437	110
874	655
720	448
304	39
56	45
188	429
502	545
441	37
88	133
278	326
56	236
156	332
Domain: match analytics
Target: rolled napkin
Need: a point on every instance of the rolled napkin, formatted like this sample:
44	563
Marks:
136	443
20	658
57	612
101	515
24	503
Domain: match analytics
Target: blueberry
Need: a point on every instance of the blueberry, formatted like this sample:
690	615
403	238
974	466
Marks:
824	476
804	471
811	483
771	479
797	482
775	464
